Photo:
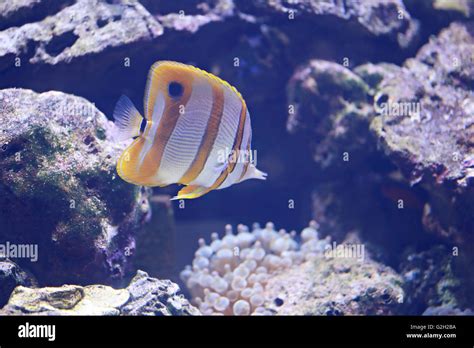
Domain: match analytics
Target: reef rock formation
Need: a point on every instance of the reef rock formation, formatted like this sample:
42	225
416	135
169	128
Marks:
144	296
59	190
331	110
266	272
329	103
426	126
336	286
378	17
150	296
12	276
431	282
83	28
402	137
420	113
392	142
106	40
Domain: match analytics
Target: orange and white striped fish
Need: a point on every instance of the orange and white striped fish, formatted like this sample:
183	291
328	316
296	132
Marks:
196	132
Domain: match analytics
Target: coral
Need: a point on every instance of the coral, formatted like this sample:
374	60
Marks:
266	272
229	275
144	296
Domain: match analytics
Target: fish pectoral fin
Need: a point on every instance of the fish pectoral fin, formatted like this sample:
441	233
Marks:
190	192
127	119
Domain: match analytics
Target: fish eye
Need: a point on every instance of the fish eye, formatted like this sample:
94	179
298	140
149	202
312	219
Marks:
175	89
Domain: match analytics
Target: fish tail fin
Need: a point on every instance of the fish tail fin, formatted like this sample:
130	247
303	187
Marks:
128	120
258	174
190	192
254	173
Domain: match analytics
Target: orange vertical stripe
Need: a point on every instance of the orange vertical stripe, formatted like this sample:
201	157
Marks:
235	148
209	137
168	121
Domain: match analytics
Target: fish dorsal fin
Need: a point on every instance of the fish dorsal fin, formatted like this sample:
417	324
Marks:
127	119
152	90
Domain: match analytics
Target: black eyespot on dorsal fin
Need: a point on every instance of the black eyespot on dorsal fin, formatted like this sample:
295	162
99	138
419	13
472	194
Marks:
175	89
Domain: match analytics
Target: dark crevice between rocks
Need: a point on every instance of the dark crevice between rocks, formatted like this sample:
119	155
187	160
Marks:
9	61
431	21
164	7
59	43
103	22
361	41
37	12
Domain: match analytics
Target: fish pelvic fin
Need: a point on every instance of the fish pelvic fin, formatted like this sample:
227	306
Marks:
191	192
127	119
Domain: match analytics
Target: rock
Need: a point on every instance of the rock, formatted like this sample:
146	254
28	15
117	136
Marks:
181	20
150	296
106	40
144	296
431	280
453	9
93	44
437	81
18	12
10	277
428	131
420	116
332	111
330	105
60	190
66	300
336	286
86	27
381	17
447	310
